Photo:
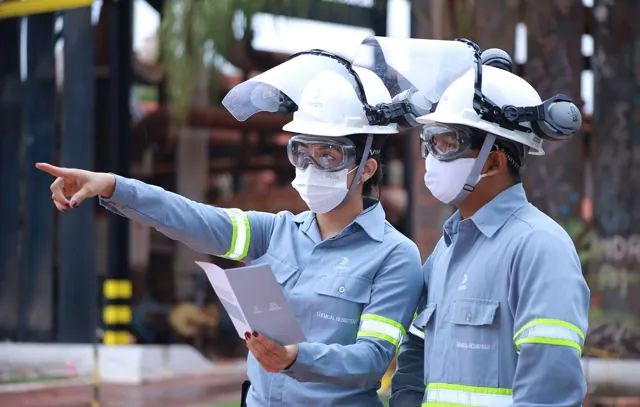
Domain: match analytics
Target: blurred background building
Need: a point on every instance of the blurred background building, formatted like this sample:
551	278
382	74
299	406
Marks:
134	87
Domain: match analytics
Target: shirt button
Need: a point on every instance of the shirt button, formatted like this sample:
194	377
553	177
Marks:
341	289
468	316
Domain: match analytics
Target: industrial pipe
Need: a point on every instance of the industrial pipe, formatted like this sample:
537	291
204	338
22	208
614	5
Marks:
612	377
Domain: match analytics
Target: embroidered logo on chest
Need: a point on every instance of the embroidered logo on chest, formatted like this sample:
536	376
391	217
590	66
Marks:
463	283
342	264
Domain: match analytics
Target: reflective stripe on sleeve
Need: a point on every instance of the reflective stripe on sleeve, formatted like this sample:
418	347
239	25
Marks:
449	395
375	326
547	331
241	235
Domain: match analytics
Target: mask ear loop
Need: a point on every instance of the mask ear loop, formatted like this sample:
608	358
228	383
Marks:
472	179
356	179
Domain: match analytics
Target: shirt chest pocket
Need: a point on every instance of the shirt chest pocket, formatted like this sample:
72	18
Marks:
338	303
472	338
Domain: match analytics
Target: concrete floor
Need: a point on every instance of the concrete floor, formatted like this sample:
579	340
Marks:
189	391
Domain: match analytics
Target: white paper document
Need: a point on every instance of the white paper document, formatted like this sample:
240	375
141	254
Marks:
255	302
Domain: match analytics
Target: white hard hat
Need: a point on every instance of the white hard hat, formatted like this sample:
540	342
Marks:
501	87
329	106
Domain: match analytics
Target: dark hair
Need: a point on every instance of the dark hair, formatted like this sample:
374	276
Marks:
375	152
515	152
515	157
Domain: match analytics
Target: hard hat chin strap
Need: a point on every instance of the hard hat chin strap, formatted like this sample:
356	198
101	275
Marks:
358	176
474	174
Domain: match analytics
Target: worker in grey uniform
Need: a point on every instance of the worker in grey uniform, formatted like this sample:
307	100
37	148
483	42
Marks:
504	314
352	280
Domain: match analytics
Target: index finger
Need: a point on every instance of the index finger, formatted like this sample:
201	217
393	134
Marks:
53	170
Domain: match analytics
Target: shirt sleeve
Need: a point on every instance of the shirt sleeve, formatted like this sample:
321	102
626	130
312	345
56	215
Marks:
550	302
407	384
383	324
229	233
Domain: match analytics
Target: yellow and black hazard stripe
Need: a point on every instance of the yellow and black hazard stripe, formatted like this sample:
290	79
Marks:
116	313
21	8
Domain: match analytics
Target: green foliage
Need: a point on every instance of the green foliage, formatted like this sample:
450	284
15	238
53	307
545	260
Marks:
585	240
146	93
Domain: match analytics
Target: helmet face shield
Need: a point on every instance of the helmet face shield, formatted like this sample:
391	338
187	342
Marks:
415	71
325	153
279	89
446	142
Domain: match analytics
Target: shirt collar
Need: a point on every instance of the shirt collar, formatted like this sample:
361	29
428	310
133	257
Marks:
495	214
492	216
371	219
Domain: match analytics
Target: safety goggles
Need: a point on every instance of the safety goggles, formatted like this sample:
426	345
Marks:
325	153
447	142
450	142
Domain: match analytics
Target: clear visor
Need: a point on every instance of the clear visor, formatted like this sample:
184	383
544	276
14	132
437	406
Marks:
424	68
325	153
446	143
279	88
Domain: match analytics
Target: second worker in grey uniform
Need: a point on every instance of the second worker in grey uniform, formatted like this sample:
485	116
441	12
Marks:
503	318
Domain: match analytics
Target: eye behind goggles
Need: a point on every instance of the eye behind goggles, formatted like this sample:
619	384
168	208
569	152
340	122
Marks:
450	142
556	118
329	154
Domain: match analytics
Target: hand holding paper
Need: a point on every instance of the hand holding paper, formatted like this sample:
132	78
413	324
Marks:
271	356
255	302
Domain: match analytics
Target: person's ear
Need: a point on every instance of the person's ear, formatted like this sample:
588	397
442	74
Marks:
370	168
496	163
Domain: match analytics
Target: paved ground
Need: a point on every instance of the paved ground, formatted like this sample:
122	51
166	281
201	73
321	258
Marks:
189	391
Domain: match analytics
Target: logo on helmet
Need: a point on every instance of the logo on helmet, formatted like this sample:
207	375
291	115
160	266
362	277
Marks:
314	100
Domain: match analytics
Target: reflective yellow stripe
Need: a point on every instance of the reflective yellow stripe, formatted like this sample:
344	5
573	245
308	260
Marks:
376	326
549	341
469	389
116	314
457	395
385	320
115	289
240	236
550	321
384	337
547	331
27	7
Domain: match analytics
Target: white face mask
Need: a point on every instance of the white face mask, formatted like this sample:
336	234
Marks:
445	179
322	191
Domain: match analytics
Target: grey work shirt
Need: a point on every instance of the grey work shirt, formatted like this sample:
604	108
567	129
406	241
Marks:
504	316
353	294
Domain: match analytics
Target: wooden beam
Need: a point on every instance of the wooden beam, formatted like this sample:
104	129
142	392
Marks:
212	117
243	56
334	12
